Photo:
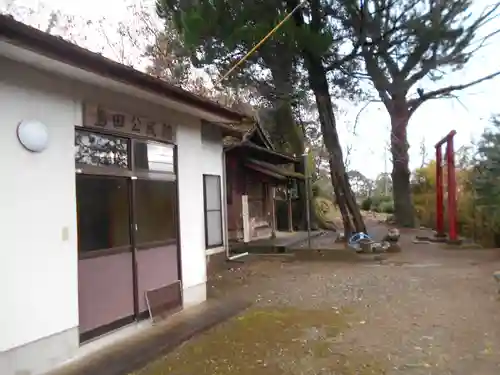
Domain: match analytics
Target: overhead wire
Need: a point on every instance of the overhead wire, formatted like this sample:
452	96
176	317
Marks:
262	41
270	33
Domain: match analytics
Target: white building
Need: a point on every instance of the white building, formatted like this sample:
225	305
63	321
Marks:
110	178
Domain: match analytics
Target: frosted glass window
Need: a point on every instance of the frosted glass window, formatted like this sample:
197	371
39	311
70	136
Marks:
213	210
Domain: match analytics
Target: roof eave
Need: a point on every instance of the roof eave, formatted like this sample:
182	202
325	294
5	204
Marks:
56	48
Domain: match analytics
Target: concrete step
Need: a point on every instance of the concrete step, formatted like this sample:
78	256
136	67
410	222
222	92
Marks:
134	353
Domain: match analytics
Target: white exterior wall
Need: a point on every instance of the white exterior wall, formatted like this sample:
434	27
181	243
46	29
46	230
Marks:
38	264
212	149
190	159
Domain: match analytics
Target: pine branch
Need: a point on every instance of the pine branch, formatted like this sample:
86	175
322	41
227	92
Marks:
414	104
464	49
358	115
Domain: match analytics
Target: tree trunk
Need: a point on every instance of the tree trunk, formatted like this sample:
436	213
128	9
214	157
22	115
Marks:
343	192
401	190
340	203
319	85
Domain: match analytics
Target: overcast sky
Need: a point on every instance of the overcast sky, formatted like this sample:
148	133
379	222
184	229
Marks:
468	116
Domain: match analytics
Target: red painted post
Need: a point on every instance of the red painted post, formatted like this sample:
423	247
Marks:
439	193
452	189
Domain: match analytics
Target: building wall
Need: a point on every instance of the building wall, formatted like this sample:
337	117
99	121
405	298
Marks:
207	159
198	155
236	188
213	163
192	233
38	256
258	188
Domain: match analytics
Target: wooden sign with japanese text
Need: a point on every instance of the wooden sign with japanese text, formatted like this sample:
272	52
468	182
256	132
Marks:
95	116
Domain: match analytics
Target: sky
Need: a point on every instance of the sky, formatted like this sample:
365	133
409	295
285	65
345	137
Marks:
468	115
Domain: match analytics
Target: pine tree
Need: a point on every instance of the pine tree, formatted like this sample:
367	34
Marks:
221	32
400	43
486	183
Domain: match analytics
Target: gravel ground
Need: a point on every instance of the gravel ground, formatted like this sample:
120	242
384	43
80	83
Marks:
423	311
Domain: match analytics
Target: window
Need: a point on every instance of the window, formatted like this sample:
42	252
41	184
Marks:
102	212
106	193
155	211
213	210
153	157
101	150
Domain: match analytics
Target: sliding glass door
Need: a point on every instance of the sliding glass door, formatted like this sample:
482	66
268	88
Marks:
126	193
105	284
155	215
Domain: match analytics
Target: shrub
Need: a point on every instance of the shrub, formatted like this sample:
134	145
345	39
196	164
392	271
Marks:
378	201
387	207
366	204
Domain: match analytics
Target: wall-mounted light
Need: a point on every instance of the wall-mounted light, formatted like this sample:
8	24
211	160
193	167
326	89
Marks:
33	135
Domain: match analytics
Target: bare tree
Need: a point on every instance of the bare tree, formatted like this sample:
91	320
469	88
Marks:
139	40
423	153
404	42
42	17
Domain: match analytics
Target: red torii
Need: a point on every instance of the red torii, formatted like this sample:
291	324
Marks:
452	189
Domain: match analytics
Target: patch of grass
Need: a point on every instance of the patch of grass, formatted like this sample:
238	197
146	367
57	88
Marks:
269	341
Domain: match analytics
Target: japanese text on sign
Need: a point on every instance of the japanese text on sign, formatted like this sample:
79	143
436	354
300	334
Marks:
95	116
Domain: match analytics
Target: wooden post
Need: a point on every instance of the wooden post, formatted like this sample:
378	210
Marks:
246	218
290	222
439	194
452	191
452	188
273	211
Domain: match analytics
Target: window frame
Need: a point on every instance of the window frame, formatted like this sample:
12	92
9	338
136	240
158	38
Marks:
205	210
151	174
96	253
131	174
155	243
105	170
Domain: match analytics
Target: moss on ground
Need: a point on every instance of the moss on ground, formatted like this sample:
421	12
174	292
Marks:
269	342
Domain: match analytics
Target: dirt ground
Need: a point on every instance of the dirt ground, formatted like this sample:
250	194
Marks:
424	311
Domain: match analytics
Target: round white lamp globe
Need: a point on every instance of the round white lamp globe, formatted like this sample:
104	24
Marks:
33	135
